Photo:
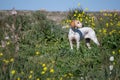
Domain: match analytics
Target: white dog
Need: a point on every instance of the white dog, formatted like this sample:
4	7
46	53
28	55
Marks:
77	32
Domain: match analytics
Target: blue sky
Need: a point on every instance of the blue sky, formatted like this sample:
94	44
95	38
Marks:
60	5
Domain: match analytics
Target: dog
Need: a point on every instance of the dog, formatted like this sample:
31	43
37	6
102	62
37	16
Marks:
77	33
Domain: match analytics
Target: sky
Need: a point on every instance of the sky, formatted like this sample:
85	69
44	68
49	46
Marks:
60	5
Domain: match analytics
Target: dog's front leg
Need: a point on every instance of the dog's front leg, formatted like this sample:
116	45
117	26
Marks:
78	42
71	44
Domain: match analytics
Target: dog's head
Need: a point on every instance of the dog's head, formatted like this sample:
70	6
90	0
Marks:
76	24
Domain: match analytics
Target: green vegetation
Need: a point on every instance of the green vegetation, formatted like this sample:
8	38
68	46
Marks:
35	48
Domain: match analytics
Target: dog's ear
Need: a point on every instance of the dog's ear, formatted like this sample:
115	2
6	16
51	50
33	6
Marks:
72	24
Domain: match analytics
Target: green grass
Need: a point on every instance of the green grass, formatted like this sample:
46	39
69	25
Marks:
44	51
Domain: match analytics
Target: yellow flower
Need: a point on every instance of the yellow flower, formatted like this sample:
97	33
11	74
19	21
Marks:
18	78
13	72
6	61
61	78
74	14
1	54
22	72
51	70
43	72
110	33
67	26
119	50
104	31
70	74
100	30
31	71
101	18
111	24
107	24
38	79
110	15
43	65
105	14
113	52
45	68
114	63
37	53
30	76
118	24
12	60
48	79
8	43
81	19
83	12
76	11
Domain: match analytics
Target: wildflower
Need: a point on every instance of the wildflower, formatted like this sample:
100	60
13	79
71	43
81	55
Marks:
43	72
67	26
38	79
118	24
37	53
7	37
83	12
31	71
76	11
12	60
105	14
100	30
114	63
45	68
30	76
1	54
8	43
48	79
18	78
111	58
119	50
65	75
111	67
70	74
6	61
61	78
104	31
51	70
111	24
113	52
110	15
107	24
101	18
74	14
81	19
13	72
43	65
110	33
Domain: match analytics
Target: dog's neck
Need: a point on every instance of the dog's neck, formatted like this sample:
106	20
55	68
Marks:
74	28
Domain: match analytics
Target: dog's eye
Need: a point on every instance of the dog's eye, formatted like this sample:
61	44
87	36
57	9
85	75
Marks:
77	22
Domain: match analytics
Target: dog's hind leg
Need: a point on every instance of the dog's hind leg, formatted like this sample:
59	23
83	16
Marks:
88	42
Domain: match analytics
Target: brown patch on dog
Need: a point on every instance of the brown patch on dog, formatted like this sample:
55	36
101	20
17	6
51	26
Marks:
72	23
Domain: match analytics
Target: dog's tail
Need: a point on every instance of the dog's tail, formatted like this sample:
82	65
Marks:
95	40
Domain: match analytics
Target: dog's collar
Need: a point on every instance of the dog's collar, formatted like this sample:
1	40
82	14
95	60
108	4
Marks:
78	31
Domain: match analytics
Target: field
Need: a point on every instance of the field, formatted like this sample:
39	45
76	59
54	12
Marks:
34	47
